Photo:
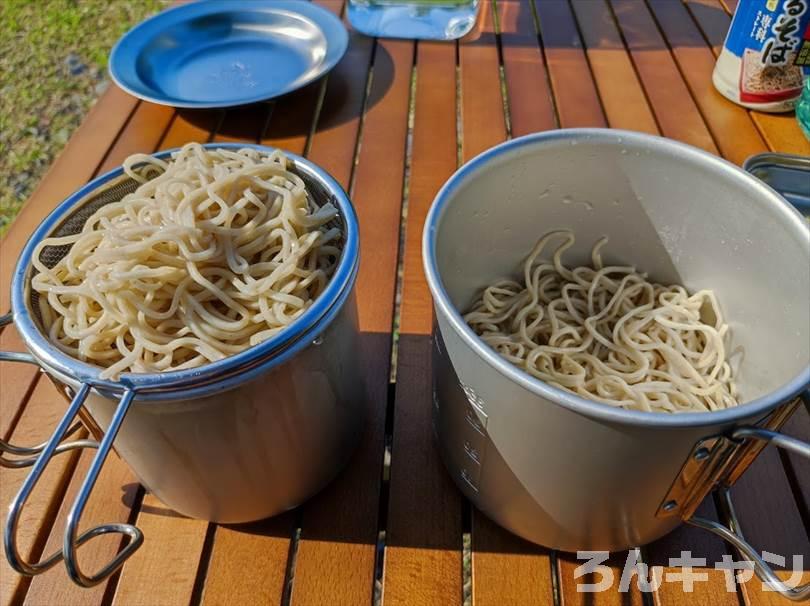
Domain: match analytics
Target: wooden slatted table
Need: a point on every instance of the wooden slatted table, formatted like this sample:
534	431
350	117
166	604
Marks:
391	123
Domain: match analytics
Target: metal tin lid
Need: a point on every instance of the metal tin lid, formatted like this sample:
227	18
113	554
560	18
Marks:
788	174
210	377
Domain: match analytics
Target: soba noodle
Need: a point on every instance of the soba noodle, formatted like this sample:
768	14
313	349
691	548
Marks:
608	334
216	251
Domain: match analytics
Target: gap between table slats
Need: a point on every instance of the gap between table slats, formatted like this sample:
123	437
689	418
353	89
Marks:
423	539
504	569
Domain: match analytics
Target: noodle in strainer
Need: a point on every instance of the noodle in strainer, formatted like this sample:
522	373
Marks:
217	250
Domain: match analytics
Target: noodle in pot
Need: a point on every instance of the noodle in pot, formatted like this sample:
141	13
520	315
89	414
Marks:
608	334
217	250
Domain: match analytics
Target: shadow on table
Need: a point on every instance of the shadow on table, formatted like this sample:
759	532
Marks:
291	115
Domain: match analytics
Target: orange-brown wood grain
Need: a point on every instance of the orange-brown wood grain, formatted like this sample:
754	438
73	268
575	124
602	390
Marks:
112	499
570	580
43	411
712	20
114	496
696	62
782	133
248	562
424	541
163	571
166	565
16	382
506	569
146	127
575	94
712	589
482	115
531	108
675	111
423	553
434	160
620	91
336	553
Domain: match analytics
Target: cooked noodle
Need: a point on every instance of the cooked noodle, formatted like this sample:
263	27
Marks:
608	334
216	251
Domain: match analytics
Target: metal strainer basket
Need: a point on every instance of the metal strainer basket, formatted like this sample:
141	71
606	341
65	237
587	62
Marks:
183	416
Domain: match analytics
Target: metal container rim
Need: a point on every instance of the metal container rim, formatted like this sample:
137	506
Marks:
60	363
573	402
309	11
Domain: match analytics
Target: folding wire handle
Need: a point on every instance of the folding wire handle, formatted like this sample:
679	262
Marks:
718	462
72	540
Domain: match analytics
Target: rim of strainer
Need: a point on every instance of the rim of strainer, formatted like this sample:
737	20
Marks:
53	359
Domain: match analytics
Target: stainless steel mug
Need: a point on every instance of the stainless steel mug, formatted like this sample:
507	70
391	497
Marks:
564	471
236	440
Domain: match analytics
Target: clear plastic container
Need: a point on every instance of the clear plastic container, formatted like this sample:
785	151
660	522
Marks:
422	19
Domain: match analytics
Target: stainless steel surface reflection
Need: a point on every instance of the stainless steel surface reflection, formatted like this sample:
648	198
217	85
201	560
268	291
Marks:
227	52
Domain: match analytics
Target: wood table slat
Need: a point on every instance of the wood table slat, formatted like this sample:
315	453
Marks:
482	110
112	499
505	569
17	381
675	111
782	133
696	62
621	92
630	64
248	562
43	411
144	132
798	467
531	107
570	579
165	567
423	552
74	166
712	20
712	590
769	519
163	571
336	553
576	98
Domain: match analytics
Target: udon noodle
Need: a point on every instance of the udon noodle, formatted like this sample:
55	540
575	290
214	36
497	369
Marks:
608	334
216	251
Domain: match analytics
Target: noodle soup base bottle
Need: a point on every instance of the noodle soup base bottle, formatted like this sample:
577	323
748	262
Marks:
766	55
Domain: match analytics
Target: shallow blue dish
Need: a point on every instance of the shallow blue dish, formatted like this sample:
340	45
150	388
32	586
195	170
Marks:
221	53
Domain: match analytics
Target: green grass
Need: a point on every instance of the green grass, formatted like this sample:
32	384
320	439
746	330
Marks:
53	61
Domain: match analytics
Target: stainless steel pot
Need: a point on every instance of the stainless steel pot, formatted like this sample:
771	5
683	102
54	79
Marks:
567	472
237	440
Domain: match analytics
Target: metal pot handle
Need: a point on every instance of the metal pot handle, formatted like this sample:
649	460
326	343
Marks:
40	456
733	535
726	457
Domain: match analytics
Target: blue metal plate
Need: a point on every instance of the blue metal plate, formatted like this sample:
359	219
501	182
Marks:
221	53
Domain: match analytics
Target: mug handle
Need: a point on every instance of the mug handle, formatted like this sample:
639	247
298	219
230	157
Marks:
733	534
39	456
